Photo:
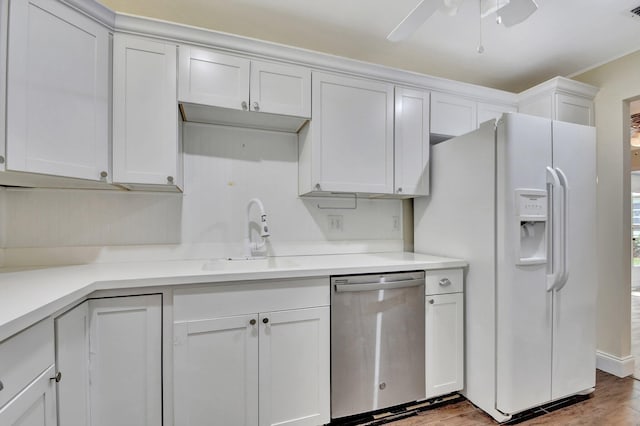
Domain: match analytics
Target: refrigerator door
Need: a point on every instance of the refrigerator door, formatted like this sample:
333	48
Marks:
574	345
523	304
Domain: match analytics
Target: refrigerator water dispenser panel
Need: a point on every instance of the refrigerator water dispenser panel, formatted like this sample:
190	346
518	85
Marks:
531	219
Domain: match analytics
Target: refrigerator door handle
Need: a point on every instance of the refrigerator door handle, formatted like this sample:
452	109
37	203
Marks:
564	276
553	221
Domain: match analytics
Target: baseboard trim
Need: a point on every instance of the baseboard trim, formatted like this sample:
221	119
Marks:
621	367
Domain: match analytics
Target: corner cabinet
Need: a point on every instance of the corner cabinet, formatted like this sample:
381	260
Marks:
411	143
58	90
147	151
109	356
348	146
444	327
219	88
246	355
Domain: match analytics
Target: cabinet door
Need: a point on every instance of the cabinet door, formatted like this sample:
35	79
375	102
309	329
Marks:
34	406
72	361
574	109
294	367
488	112
216	371
451	115
280	89
210	78
411	142
444	343
57	91
352	135
125	338
145	120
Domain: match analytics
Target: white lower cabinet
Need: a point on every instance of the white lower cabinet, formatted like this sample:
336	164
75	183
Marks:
35	405
109	355
444	340
261	368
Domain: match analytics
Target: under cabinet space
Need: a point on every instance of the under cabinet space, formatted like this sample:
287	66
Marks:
147	151
225	89
57	89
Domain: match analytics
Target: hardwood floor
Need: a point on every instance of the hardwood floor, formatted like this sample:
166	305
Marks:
615	402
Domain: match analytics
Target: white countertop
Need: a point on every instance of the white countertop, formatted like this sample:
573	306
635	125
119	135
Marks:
28	295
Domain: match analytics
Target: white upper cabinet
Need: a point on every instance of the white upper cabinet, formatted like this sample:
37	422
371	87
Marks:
225	89
411	166
146	139
348	146
280	89
488	111
560	99
452	115
57	91
210	78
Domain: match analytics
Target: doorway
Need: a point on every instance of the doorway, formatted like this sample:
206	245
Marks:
634	109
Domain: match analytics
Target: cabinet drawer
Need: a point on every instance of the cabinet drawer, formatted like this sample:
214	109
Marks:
436	281
24	357
219	300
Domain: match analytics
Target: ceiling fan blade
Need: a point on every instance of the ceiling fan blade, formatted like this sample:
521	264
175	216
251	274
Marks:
414	19
516	11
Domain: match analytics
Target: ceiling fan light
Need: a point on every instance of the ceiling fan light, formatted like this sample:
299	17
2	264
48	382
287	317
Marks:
450	7
517	11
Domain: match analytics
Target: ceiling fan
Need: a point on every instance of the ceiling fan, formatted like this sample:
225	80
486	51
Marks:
509	12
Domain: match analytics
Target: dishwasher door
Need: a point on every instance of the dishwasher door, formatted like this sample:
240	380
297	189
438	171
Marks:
377	342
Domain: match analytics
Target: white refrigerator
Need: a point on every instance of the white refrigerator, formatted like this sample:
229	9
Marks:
516	199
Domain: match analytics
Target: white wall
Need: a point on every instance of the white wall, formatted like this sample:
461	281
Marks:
224	168
618	82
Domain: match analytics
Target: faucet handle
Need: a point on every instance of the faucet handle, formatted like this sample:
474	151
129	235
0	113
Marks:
264	228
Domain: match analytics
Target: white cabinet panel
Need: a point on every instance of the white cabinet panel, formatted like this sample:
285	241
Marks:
72	361
348	147
574	109
411	164
216	371
488	112
444	343
452	115
210	78
126	361
23	357
35	405
280	89
261	368
294	367
57	91
146	146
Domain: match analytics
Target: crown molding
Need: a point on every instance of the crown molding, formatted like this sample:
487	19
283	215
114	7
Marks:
261	49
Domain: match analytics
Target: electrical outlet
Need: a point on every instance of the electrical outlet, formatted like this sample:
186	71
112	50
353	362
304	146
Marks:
335	222
396	223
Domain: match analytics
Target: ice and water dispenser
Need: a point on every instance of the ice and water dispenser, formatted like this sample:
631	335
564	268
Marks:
531	217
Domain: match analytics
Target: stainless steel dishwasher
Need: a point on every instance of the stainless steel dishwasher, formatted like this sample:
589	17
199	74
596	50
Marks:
377	341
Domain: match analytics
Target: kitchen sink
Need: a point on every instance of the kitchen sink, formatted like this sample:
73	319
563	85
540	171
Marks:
249	264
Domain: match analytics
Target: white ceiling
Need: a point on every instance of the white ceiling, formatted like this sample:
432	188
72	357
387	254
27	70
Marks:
562	38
